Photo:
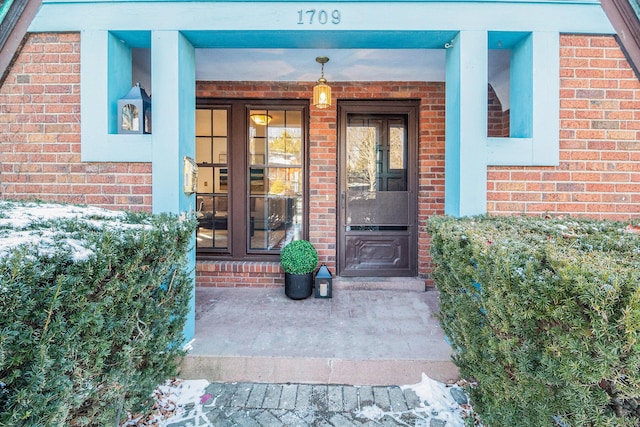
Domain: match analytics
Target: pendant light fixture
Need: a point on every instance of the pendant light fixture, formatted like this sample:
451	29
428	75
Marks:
322	91
261	119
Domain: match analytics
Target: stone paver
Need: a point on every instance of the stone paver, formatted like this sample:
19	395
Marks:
300	405
272	396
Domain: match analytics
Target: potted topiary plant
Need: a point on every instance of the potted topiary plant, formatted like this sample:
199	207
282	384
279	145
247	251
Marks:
299	260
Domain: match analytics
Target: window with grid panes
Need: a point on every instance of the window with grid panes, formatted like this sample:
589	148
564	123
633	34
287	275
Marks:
251	198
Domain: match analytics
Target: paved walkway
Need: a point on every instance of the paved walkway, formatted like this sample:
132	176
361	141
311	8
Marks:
267	405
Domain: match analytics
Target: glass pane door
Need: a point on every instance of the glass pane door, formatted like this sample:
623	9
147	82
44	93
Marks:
377	227
212	199
275	179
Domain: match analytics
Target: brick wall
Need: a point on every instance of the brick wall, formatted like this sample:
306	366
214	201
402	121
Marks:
40	134
497	120
323	167
599	171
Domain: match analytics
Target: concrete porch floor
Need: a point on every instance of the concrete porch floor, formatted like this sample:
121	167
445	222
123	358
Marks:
359	337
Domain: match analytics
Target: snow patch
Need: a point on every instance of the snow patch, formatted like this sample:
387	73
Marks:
177	401
19	225
373	413
437	400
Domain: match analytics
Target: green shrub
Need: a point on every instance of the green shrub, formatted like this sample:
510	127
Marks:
544	315
93	310
299	257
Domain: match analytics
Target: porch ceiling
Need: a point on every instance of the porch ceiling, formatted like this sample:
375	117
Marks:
346	65
300	64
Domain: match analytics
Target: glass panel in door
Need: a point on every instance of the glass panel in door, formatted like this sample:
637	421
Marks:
275	178
376	195
213	179
377	235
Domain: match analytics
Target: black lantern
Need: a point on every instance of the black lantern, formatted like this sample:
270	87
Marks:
323	282
134	111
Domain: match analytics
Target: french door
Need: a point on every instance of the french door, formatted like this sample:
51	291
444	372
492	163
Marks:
378	182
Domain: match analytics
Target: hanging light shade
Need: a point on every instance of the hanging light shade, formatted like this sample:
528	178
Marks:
261	119
322	91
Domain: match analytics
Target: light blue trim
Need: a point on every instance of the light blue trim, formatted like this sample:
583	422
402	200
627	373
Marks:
105	75
93	94
509	151
452	130
542	120
119	75
546	99
506	40
355	16
521	91
337	1
321	39
173	77
466	125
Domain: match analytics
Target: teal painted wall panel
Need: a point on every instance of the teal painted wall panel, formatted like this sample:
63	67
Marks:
521	93
173	106
509	151
354	16
452	130
104	77
334	1
186	104
546	101
94	102
321	39
119	78
466	125
542	78
473	123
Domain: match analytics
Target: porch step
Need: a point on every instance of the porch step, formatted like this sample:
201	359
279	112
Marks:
414	284
375	337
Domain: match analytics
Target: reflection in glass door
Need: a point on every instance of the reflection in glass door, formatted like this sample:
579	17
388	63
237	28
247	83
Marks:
275	178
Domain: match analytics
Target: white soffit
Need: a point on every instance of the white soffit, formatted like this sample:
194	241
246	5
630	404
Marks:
345	65
300	64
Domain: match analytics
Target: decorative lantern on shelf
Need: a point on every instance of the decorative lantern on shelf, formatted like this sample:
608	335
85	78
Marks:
134	112
323	282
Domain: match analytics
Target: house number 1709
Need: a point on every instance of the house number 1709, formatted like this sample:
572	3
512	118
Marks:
315	16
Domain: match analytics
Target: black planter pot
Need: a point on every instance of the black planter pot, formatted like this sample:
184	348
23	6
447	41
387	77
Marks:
298	286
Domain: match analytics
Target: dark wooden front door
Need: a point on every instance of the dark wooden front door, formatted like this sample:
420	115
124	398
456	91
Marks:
378	198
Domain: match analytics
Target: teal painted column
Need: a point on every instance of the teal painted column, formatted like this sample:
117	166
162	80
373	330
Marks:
119	75
546	98
466	125
173	82
521	94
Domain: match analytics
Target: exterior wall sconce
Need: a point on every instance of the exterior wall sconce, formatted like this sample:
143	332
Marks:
322	91
323	282
134	112
260	119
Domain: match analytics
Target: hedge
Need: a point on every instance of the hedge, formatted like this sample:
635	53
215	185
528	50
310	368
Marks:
93	307
544	316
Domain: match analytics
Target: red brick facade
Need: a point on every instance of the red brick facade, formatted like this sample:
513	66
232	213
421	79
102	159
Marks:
497	120
40	134
599	173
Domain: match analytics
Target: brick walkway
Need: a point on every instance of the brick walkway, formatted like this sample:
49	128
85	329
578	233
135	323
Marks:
267	405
